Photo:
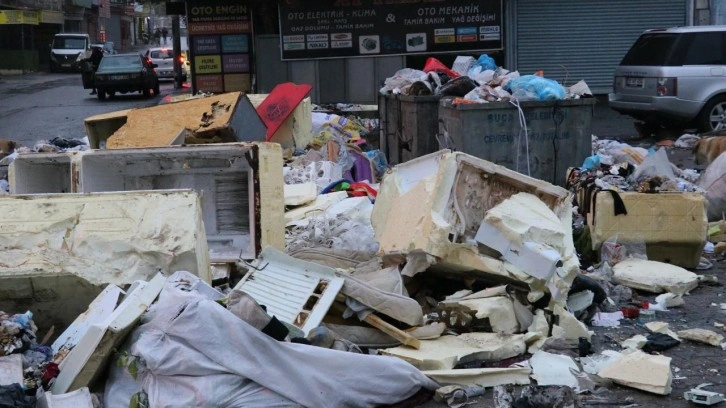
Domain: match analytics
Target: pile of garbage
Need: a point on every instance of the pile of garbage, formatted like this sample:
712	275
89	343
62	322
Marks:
339	151
350	283
618	166
479	80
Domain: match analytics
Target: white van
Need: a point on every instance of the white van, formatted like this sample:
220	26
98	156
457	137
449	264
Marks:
67	50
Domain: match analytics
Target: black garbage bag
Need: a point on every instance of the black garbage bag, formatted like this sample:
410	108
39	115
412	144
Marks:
458	87
583	282
13	396
659	342
65	143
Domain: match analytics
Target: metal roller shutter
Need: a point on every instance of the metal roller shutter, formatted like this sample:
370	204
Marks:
572	40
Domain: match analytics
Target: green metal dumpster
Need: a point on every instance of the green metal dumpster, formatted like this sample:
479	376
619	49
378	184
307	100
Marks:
409	126
542	140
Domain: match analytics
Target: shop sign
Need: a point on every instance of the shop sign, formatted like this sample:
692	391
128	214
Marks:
350	28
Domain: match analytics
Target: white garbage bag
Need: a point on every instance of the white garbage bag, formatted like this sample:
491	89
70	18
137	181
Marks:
194	352
713	180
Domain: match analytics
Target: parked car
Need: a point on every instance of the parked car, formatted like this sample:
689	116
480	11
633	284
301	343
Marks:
674	77
125	73
164	58
68	50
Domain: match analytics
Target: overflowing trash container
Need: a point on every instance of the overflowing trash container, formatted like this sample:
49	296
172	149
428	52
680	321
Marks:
537	138
409	125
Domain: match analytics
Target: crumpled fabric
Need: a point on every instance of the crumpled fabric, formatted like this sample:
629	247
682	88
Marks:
13	396
197	353
383	291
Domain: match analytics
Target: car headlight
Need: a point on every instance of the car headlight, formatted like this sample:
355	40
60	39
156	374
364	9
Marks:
102	77
134	76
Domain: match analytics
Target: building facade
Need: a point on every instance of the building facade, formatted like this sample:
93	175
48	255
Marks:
27	28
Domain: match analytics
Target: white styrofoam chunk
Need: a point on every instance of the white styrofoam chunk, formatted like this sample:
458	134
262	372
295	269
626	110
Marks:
109	238
98	311
651	373
653	276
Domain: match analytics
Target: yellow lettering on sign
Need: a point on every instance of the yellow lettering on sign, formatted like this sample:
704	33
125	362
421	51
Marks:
19	17
208	64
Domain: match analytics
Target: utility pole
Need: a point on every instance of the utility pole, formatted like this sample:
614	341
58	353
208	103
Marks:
176	41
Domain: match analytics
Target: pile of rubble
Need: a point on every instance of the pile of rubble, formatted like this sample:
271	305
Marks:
243	260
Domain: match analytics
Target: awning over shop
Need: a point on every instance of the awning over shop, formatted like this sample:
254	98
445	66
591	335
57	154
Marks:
19	17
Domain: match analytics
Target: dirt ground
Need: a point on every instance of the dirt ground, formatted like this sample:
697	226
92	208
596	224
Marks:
692	363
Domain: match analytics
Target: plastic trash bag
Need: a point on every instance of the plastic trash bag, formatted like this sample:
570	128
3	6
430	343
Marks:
713	180
433	64
458	87
401	78
542	88
655	164
486	62
687	141
463	64
481	76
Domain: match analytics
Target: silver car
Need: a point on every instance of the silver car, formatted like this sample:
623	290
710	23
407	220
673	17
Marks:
164	59
674	77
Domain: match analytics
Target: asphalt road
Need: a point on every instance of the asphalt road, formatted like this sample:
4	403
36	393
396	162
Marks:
42	106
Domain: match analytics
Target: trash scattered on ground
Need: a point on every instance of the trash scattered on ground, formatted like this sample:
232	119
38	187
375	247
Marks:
702	336
651	373
703	397
344	275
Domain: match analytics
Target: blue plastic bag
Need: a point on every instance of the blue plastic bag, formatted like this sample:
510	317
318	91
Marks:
486	62
544	89
591	163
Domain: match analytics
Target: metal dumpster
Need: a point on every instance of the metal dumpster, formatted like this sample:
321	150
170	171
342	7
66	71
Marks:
557	134
409	125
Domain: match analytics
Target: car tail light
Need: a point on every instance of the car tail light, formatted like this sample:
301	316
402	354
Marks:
181	59
667	87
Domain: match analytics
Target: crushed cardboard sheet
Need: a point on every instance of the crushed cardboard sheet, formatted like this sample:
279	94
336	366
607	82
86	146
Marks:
223	118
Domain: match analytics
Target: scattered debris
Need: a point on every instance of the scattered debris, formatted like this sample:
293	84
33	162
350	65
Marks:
651	373
702	336
702	397
655	277
554	369
536	397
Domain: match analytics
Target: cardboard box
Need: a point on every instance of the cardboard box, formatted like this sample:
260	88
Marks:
100	127
673	226
224	118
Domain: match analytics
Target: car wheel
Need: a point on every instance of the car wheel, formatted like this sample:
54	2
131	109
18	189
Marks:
713	115
112	94
53	68
156	89
147	93
101	94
